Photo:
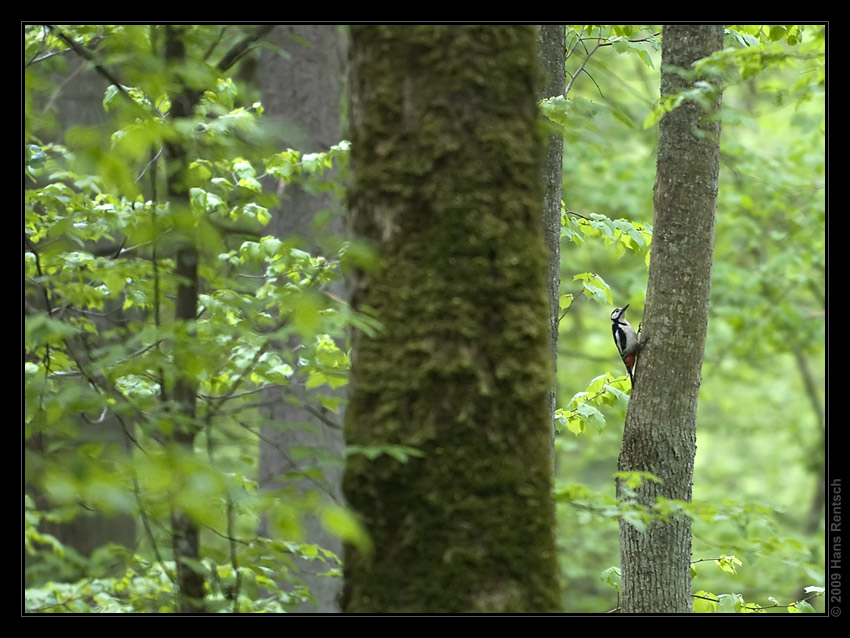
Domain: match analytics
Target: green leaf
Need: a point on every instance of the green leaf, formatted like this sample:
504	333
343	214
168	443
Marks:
594	287
727	563
728	603
634	479
611	577
635	519
114	281
306	313
251	184
270	246
399	452
576	425
701	605
343	524
622	398
109	96
592	416
315	379
224	571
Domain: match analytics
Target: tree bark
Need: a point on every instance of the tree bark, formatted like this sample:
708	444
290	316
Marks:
185	531
446	160
302	94
551	45
660	430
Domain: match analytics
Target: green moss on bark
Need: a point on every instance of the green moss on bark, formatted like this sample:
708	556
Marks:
445	160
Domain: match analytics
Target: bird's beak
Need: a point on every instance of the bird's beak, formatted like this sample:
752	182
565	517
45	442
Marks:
625	307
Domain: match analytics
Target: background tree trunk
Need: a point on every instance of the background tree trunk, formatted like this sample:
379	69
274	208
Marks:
551	40
446	160
302	95
660	429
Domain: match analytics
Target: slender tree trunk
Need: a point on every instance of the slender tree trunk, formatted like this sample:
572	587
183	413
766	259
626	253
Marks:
446	160
551	45
816	509
185	532
660	429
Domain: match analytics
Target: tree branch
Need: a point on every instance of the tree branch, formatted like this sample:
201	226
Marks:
240	48
88	55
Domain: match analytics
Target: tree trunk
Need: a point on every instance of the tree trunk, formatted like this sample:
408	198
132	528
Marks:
185	532
302	94
551	40
660	430
446	161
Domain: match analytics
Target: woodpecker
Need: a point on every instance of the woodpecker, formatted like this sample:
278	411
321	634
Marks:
626	339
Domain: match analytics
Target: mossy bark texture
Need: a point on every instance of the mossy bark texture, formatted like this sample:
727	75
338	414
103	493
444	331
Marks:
445	164
660	430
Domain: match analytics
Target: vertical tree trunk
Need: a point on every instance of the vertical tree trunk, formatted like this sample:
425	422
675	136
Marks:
551	45
185	533
446	182
660	430
302	93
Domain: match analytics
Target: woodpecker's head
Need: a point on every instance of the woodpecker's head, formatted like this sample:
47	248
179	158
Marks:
619	313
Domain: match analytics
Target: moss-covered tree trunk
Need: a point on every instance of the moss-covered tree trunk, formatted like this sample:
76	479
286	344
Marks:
660	429
445	164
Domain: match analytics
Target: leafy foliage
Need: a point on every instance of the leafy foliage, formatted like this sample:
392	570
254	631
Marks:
104	349
707	603
145	587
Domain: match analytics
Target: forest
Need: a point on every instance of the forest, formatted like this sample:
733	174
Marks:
317	318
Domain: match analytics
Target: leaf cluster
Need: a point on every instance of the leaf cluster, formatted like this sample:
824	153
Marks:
104	349
707	603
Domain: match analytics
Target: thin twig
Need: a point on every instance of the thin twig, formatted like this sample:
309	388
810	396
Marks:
150	163
757	607
599	44
581	68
